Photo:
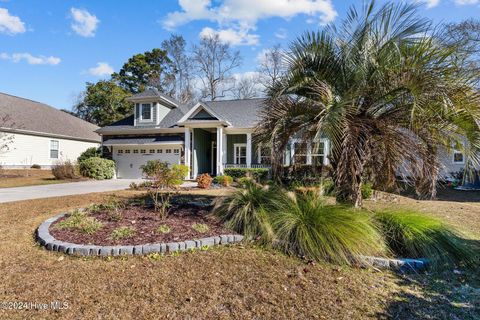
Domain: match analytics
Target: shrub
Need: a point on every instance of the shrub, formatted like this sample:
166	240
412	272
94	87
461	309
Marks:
164	178
246	210
244	181
328	187
200	227
81	222
89	153
64	170
164	229
204	181
97	168
306	226
416	235
258	174
122	233
36	166
223	180
367	190
133	186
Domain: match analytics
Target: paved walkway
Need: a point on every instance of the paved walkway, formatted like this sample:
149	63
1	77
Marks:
63	189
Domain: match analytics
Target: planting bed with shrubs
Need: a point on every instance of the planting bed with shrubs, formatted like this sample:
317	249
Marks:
134	223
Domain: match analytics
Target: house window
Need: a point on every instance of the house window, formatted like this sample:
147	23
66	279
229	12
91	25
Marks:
146	113
159	151
176	151
264	155
142	151
127	151
54	149
135	151
168	151
318	153
152	150
300	155
458	157
120	151
240	153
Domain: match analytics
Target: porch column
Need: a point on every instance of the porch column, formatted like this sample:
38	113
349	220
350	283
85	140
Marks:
292	152
249	150
187	151
224	145
309	153
219	150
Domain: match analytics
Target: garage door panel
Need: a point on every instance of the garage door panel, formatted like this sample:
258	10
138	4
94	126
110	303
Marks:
128	165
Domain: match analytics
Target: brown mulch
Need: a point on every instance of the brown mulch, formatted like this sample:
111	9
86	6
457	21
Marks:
145	221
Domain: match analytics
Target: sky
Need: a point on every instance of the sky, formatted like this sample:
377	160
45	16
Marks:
50	49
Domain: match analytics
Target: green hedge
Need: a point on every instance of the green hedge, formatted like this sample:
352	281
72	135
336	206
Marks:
97	168
259	174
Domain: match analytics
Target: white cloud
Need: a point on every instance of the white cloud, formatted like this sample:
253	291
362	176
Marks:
231	36
102	69
430	3
466	2
281	33
241	16
10	24
84	23
30	59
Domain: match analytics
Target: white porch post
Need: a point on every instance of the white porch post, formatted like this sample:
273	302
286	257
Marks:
292	152
249	150
309	153
224	145
219	150
187	151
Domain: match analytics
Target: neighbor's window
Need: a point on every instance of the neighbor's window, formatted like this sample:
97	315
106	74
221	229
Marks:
135	151
127	151
152	150
159	151
318	153
54	149
168	151
146	111
458	157
142	150
176	151
120	151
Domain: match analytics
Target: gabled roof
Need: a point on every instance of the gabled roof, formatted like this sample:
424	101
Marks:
243	113
154	94
37	118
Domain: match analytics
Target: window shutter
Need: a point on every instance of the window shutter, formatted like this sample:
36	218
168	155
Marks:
154	112
137	112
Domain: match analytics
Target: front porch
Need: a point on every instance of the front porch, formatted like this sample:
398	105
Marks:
212	150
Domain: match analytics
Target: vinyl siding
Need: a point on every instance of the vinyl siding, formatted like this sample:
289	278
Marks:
25	150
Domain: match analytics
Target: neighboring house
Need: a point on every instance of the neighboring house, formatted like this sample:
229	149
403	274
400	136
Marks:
207	137
35	133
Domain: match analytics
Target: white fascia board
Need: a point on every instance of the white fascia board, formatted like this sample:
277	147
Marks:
197	108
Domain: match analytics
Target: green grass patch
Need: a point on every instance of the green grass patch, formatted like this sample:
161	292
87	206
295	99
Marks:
122	233
81	222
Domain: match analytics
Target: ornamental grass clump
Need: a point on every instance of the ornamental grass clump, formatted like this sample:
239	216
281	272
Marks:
306	226
247	210
416	235
81	222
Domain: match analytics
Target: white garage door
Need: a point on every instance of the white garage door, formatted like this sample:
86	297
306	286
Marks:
129	160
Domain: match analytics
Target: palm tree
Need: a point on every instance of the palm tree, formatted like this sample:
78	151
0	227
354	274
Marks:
385	92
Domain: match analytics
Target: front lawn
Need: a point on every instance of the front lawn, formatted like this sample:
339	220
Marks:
10	178
240	281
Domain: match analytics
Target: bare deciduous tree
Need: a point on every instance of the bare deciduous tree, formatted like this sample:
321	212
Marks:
215	61
176	49
6	138
246	87
272	66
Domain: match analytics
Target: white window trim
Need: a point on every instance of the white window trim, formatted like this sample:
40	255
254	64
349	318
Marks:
50	149
235	145
326	150
141	112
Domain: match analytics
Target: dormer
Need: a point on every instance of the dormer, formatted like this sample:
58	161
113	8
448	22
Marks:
151	107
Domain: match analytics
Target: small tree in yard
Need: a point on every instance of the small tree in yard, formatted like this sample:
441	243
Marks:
164	178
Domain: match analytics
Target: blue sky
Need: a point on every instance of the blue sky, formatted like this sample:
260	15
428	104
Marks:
49	49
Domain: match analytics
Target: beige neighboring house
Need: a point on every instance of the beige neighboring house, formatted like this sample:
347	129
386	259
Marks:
35	133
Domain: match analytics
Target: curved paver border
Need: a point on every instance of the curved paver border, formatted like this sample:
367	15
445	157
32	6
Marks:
50	243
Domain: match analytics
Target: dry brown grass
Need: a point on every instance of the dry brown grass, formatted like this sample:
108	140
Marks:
28	177
238	282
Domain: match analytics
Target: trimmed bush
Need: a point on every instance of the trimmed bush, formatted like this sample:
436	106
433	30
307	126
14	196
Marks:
415	235
63	170
204	181
258	174
89	153
223	180
97	168
36	166
306	226
246	211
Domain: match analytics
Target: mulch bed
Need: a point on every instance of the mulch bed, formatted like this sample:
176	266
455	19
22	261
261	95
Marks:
145	221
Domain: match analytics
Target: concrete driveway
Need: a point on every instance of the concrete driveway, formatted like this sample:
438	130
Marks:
63	189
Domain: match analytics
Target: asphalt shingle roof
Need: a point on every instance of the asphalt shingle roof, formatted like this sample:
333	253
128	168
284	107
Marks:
41	118
153	93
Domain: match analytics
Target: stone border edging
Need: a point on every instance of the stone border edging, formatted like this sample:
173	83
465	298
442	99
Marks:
50	243
403	265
